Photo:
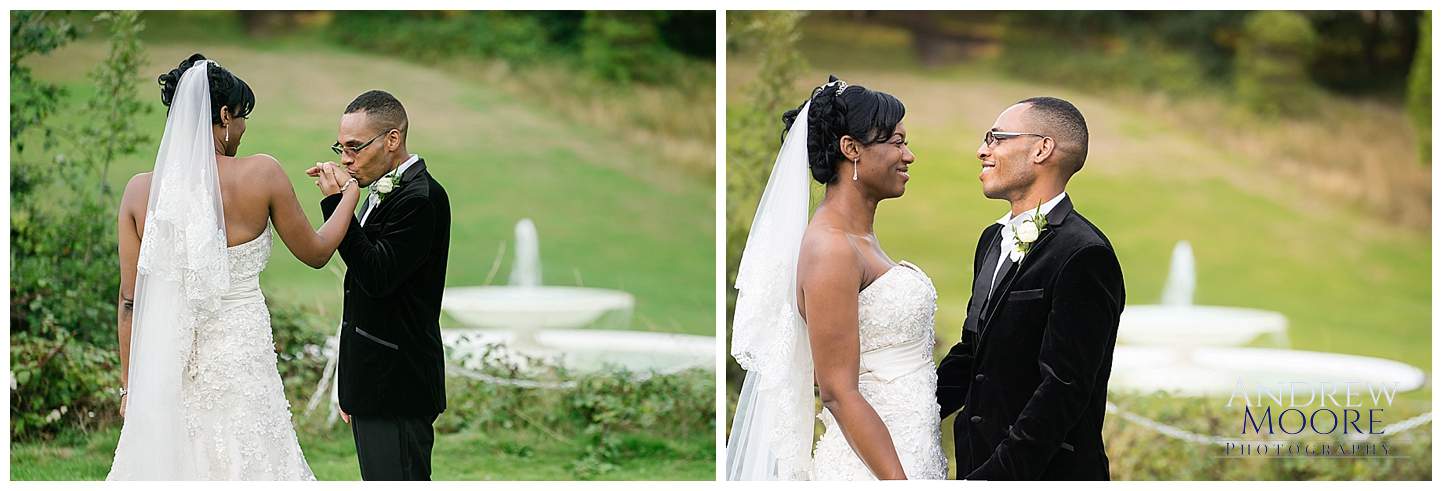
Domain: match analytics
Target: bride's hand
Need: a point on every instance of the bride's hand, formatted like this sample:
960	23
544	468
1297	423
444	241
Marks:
328	182
123	399
348	183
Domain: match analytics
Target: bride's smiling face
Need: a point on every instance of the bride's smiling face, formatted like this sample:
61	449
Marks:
885	166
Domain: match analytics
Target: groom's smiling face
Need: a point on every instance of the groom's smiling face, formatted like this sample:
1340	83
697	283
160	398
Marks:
1005	165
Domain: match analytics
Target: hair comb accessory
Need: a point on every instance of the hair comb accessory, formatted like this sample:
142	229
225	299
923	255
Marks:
840	84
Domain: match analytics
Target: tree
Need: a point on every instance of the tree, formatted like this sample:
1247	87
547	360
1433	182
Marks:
1272	59
754	134
1419	88
63	252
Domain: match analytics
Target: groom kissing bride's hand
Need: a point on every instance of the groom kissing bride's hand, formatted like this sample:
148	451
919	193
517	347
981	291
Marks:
330	178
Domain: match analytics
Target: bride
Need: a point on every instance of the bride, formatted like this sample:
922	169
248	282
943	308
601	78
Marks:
822	301
200	394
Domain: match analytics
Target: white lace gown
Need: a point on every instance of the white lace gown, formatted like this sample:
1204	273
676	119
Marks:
897	315
236	413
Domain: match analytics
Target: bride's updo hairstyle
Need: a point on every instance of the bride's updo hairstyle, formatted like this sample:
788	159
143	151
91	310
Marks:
226	89
838	110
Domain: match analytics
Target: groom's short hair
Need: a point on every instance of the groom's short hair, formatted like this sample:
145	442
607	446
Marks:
382	109
1063	122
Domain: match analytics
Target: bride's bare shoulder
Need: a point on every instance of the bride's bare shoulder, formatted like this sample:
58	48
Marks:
828	245
137	191
260	161
138	181
264	168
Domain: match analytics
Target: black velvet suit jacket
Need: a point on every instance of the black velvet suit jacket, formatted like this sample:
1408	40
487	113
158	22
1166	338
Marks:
391	359
1030	373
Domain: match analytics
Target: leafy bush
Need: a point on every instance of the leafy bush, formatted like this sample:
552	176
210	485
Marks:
300	338
31	100
1141	453
620	415
621	47
1169	52
1123	63
1272	57
625	46
60	383
429	36
63	285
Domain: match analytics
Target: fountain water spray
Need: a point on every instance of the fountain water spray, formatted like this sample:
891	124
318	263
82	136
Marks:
1182	277
526	271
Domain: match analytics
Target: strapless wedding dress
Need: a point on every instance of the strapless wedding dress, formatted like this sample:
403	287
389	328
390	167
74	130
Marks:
236	416
897	315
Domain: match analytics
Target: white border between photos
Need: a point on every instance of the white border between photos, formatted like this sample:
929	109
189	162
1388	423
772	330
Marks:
722	353
721	7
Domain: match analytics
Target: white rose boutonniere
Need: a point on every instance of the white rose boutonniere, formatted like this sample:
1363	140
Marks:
1025	235
385	185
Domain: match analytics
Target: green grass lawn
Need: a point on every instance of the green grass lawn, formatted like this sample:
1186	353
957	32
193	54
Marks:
466	456
1348	281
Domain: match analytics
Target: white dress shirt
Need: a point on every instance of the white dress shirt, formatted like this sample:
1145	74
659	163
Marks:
373	199
1007	242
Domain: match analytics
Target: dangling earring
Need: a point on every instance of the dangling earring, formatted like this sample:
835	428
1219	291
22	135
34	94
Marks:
855	164
227	133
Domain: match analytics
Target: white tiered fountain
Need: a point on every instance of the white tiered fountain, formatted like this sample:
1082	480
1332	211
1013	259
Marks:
559	323
555	323
1196	350
524	306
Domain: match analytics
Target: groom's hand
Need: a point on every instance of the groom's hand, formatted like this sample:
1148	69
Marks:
344	416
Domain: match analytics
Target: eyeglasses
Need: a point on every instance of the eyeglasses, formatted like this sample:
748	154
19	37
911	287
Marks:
339	149
995	136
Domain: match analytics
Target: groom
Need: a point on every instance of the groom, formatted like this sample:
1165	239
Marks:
1030	373
391	369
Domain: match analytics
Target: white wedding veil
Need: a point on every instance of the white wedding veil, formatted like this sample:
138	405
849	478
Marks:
182	272
774	425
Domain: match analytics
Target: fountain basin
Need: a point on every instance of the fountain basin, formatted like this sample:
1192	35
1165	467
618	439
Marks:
1205	371
595	349
1196	325
532	307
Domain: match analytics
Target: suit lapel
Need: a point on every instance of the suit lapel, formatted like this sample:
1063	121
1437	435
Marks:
981	283
409	175
1054	219
1009	272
